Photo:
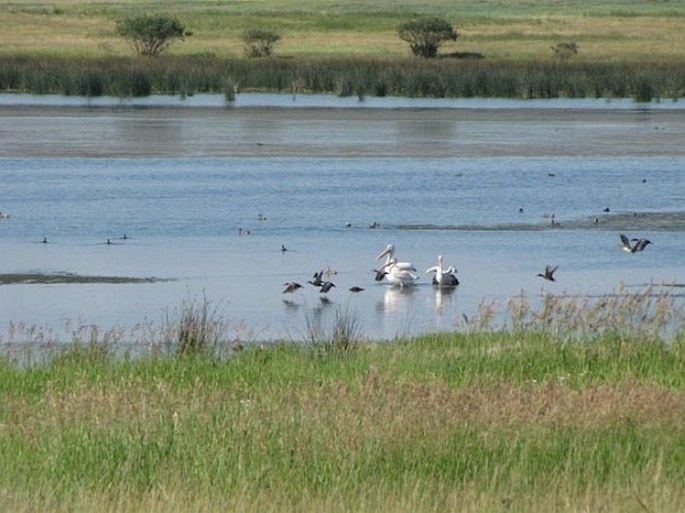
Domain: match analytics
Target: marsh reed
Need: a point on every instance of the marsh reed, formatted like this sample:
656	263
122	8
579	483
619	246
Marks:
440	78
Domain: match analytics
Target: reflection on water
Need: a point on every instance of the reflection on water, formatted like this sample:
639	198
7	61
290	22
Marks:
444	299
396	299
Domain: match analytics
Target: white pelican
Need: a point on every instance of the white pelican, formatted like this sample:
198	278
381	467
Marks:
397	273
443	277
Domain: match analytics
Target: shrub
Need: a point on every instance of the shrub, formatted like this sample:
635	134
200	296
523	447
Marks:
260	42
425	35
150	34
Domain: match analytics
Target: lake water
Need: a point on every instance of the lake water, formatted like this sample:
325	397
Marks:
473	180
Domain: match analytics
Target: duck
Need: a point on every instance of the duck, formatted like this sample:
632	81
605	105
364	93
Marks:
290	287
549	273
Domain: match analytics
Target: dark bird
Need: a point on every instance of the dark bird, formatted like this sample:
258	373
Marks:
290	287
356	289
380	274
639	244
45	240
283	248
549	273
326	286
448	280
317	281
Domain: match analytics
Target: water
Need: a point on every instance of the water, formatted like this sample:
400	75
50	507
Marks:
183	183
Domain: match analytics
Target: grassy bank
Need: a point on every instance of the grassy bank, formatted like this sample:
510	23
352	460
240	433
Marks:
606	30
525	418
127	76
626	49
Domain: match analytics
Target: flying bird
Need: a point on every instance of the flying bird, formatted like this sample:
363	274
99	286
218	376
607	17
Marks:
290	287
326	287
639	244
549	273
318	279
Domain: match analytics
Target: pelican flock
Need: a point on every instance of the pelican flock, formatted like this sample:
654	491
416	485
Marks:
404	274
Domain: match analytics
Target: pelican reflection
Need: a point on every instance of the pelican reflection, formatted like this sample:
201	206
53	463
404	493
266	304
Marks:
397	299
444	296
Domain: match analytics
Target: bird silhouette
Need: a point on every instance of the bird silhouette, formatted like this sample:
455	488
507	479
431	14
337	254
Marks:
326	287
290	287
639	243
549	273
318	279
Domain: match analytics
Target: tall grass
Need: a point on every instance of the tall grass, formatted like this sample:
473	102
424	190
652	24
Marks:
123	77
522	417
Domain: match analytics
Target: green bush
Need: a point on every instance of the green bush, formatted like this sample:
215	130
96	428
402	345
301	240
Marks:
425	35
260	42
150	34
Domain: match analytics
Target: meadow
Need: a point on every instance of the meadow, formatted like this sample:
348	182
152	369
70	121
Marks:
352	48
575	406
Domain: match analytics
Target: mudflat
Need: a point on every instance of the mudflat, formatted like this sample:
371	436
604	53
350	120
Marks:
56	131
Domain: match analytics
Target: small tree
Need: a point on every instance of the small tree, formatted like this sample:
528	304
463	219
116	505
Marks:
260	42
150	34
425	35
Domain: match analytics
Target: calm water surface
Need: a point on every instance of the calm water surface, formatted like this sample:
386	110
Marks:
451	179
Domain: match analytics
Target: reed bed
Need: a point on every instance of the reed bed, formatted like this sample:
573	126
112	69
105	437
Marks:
516	417
441	78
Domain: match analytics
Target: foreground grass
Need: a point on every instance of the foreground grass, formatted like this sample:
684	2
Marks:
508	420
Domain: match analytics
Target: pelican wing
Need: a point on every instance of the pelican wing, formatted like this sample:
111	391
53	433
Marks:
625	242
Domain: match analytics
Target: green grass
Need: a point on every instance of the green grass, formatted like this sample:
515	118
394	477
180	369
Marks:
52	278
70	47
645	30
546	414
182	75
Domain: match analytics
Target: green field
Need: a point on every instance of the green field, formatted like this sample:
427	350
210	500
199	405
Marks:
604	30
626	49
572	407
